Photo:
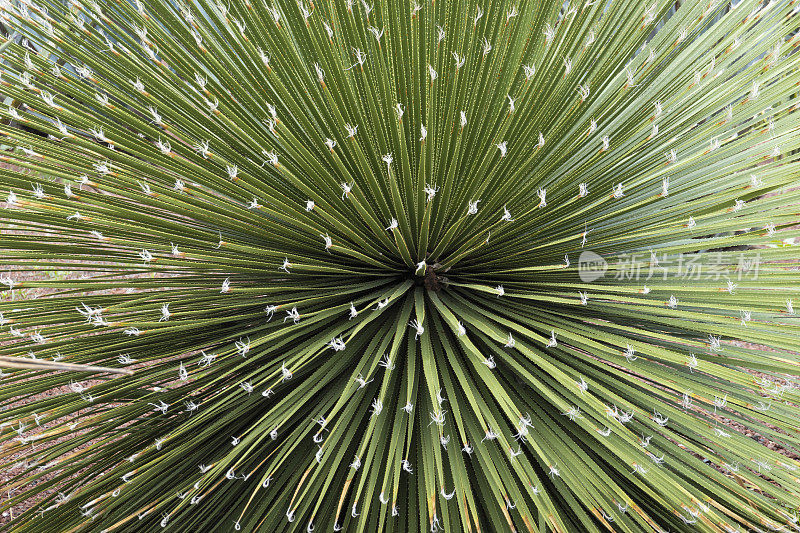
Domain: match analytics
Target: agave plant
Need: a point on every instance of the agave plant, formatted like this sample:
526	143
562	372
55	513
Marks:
462	266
